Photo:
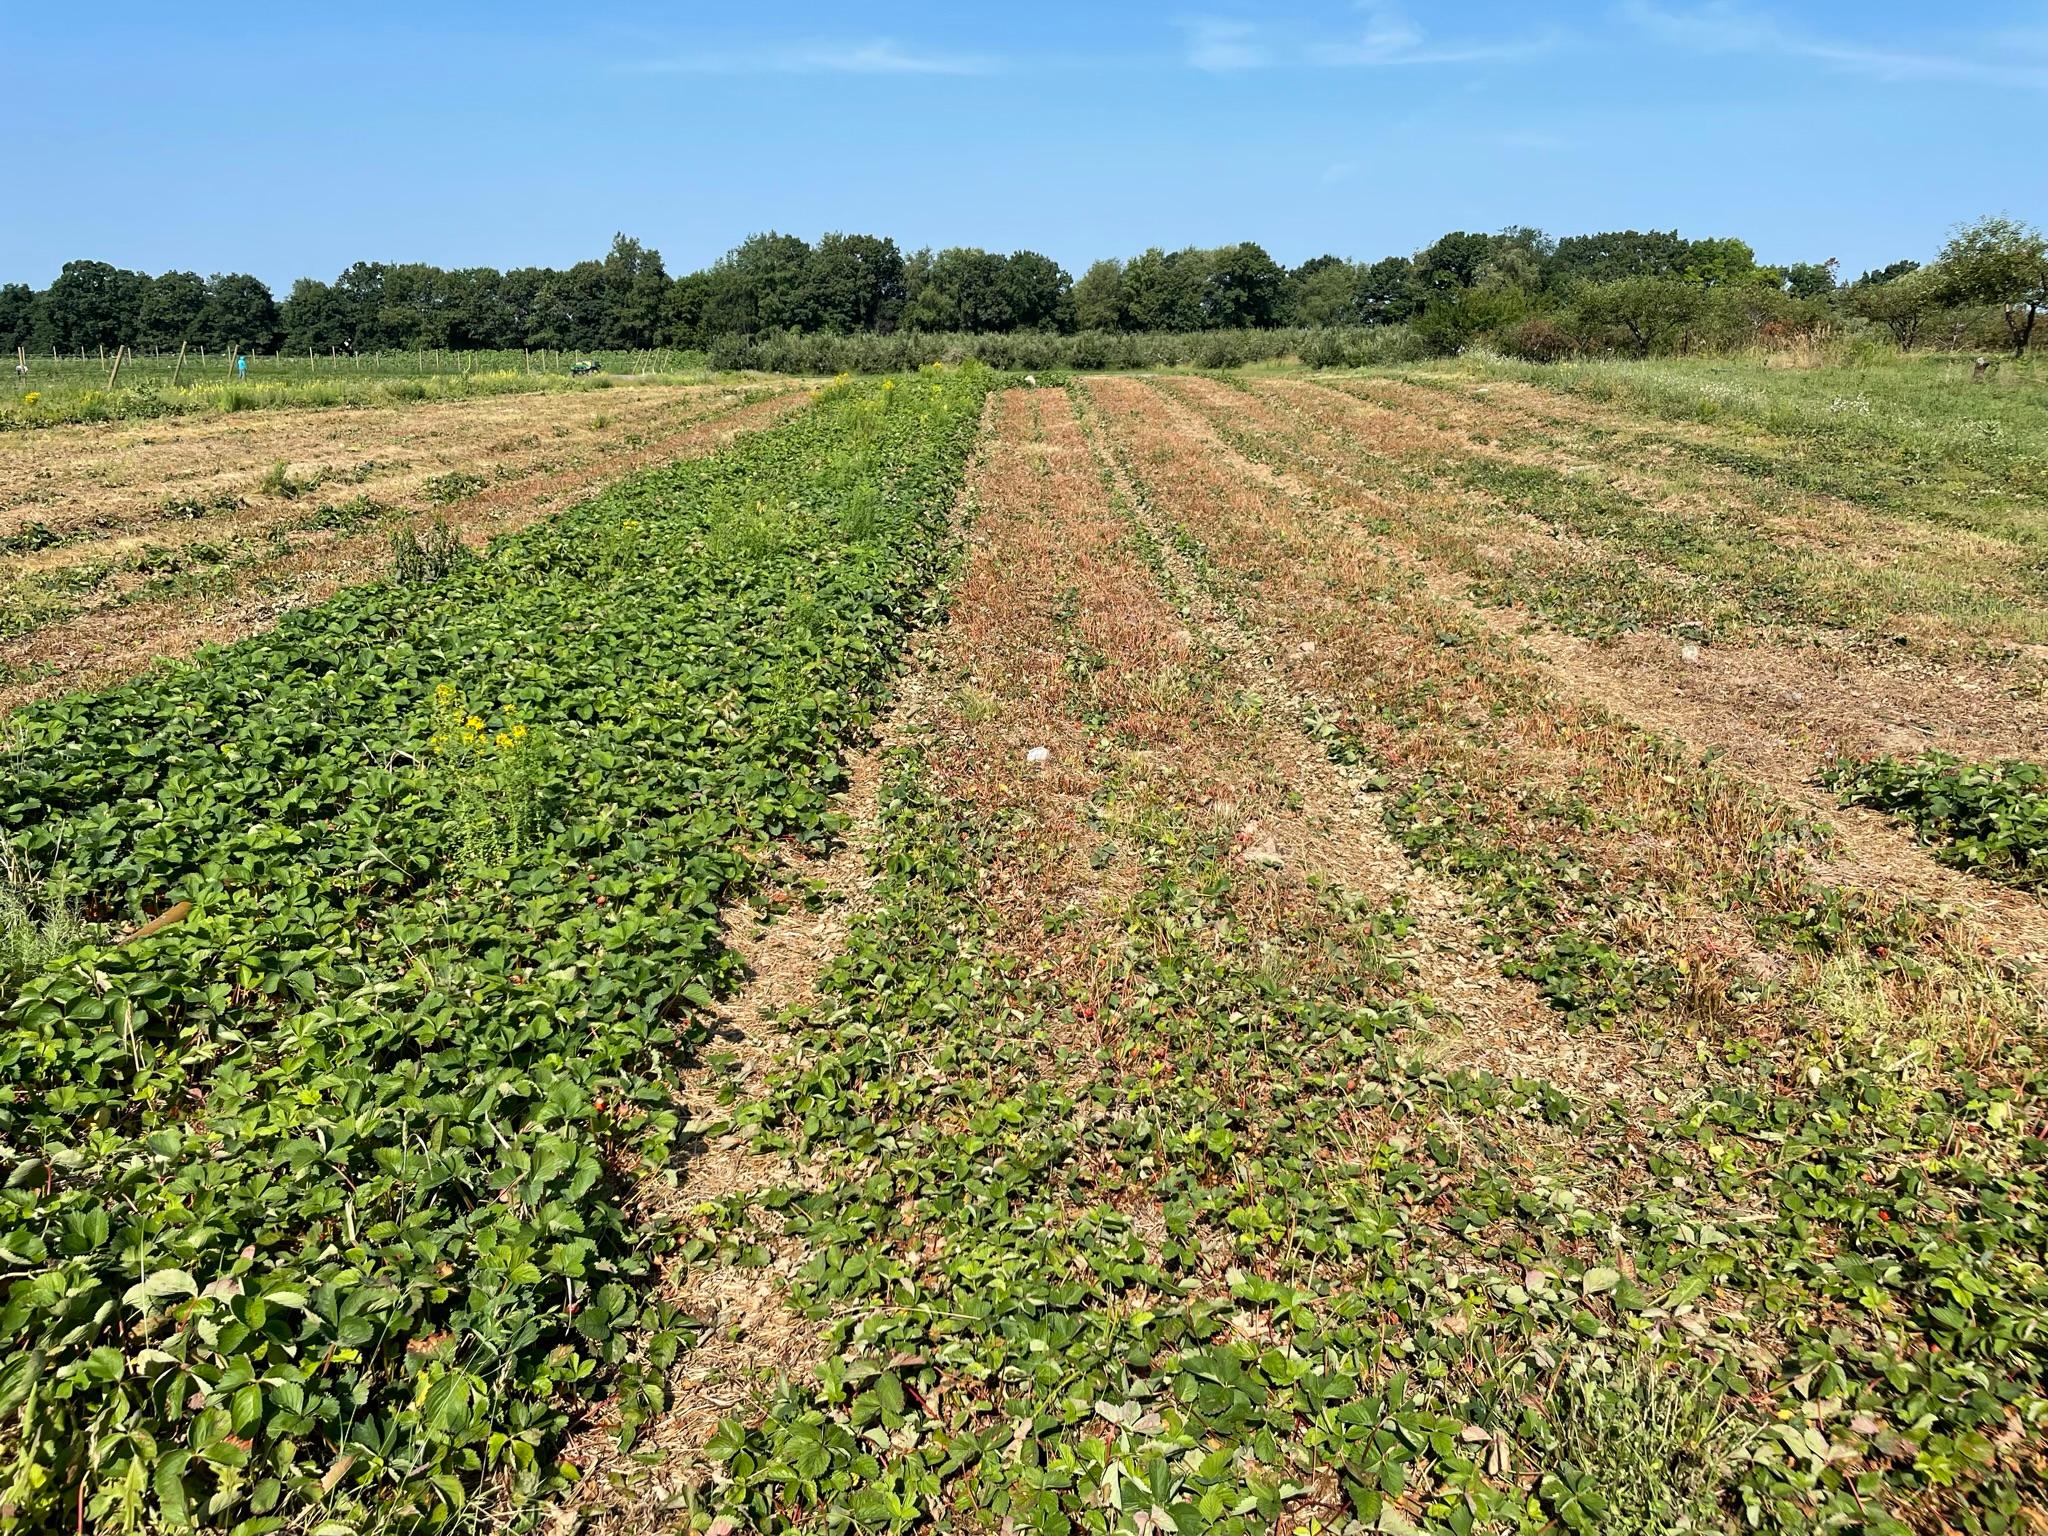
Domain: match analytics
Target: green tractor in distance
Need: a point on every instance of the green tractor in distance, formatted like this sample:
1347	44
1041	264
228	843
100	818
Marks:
579	370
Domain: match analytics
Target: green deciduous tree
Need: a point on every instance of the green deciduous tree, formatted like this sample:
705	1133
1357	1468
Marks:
1098	297
2003	262
358	295
856	284
1885	274
173	310
1903	303
92	304
1727	260
1651	312
1038	292
634	293
1161	292
1452	262
314	319
1614	254
1387	291
1324	292
1241	286
1811	279
17	315
1454	317
965	288
240	312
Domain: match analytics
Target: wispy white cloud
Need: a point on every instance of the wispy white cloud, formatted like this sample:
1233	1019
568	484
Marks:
877	56
1219	44
1392	37
1723	27
1388	38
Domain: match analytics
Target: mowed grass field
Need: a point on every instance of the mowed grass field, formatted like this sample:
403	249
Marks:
156	385
129	542
1453	949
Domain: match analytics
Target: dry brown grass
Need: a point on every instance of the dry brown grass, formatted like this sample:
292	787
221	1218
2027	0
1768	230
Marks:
1346	616
1773	709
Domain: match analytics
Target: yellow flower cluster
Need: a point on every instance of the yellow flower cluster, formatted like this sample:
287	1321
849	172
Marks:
464	732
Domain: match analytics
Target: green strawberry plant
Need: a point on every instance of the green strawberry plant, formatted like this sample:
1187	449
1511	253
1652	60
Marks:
1988	818
317	1200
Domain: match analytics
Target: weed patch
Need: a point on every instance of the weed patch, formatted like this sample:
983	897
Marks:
456	485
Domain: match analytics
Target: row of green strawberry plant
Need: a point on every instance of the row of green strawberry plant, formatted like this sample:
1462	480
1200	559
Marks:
1988	818
318	1200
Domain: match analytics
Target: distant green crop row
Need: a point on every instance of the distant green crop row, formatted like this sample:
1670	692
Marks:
316	1202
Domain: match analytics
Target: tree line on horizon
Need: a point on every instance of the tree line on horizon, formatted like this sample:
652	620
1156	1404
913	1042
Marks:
1534	295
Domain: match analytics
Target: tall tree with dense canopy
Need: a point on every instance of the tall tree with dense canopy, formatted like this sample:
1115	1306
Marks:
17	315
1039	292
2003	262
1098	296
1386	291
1452	261
1242	287
1161	292
240	312
1618	253
173	311
92	304
856	283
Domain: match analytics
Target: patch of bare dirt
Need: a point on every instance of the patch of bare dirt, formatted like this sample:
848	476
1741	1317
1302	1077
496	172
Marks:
753	1338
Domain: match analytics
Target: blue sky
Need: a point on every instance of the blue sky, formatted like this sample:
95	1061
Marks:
290	139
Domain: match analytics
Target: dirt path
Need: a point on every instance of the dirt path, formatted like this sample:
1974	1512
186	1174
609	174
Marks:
751	1338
